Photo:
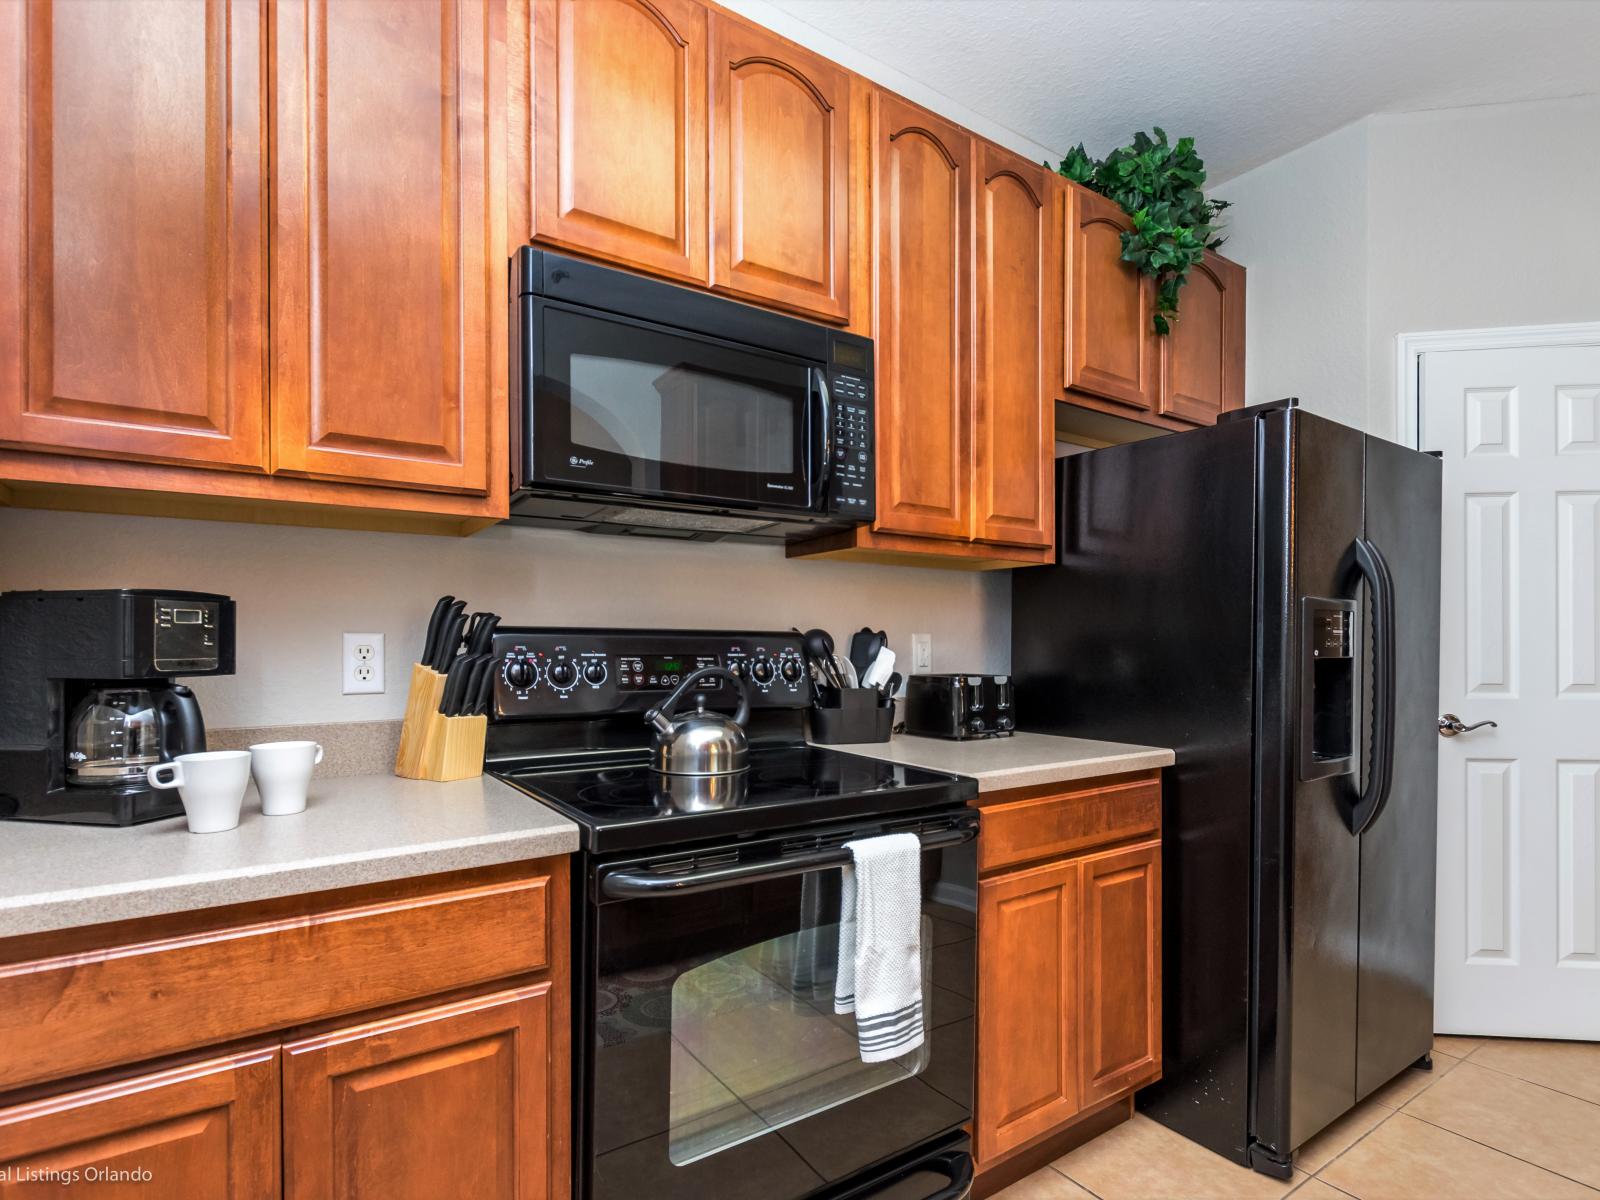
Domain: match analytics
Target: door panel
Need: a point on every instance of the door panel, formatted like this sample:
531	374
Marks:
208	1130
1519	852
781	148
134	189
1014	405
1112	349
924	359
1202	359
389	280
1028	1011
619	131
1119	1015
449	1101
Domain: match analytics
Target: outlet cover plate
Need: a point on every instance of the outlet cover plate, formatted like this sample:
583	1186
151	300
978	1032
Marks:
361	664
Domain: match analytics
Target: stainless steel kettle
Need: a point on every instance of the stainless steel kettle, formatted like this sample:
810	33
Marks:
701	742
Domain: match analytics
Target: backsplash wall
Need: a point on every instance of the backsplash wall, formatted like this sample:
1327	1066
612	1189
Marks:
299	589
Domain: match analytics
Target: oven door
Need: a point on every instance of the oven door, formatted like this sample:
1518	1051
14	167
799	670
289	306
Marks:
626	407
716	1065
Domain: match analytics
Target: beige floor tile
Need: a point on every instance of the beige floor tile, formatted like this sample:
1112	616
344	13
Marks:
1408	1159
1570	1067
1456	1047
1341	1135
1315	1189
1549	1129
1411	1082
1044	1184
1141	1160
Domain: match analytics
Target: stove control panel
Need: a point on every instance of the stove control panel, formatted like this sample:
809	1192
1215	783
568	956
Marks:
593	672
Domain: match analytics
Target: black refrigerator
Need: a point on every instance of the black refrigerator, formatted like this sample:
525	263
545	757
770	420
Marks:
1263	597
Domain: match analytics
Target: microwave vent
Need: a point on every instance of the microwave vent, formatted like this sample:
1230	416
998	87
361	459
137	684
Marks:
657	518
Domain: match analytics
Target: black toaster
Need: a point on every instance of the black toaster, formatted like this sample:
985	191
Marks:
959	706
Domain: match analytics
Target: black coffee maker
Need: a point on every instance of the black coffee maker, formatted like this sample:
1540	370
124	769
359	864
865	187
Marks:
87	702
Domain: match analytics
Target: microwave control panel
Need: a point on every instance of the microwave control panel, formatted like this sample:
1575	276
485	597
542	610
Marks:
852	490
593	672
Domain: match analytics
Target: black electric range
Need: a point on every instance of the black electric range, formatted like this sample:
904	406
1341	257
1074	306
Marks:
702	1065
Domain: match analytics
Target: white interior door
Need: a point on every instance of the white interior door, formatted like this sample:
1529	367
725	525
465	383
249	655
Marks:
1519	805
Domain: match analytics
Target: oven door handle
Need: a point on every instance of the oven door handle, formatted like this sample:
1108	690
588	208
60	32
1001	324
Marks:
636	885
959	1167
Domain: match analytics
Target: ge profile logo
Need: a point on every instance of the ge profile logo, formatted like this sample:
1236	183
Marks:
582	463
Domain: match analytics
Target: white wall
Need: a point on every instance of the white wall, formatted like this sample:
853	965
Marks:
1402	223
298	589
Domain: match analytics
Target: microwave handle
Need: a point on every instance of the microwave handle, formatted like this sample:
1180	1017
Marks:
825	410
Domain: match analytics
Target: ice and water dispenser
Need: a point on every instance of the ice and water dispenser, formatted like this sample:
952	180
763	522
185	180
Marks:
1329	687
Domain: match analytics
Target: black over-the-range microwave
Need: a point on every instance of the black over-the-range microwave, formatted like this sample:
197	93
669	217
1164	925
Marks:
642	407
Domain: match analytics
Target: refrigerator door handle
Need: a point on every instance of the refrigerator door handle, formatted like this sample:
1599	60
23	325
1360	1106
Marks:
1363	808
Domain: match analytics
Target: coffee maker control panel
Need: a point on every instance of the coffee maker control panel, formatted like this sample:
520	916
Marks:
187	636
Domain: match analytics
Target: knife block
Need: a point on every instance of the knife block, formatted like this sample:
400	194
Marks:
422	703
452	748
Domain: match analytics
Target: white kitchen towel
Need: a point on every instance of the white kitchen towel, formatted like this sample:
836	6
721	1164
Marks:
879	975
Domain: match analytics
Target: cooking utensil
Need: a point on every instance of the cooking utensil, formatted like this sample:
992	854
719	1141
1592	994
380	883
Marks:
882	667
435	620
889	689
865	645
844	672
701	742
819	649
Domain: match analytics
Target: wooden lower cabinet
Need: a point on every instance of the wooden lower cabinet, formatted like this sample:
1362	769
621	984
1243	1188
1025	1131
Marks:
448	1101
208	1131
1069	962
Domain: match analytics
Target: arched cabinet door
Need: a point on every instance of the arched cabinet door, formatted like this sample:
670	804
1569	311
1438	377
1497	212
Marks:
780	154
619	132
924	344
1202	359
1112	348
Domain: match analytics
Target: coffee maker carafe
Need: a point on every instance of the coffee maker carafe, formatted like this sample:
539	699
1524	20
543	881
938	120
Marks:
87	702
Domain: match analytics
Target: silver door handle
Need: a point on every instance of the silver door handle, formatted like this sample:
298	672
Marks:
1450	725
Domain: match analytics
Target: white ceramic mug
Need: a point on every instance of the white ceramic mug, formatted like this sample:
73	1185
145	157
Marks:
211	785
283	772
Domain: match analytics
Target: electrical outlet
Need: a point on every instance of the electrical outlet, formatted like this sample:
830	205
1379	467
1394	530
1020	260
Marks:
363	663
921	653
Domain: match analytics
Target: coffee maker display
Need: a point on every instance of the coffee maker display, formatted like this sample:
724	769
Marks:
88	702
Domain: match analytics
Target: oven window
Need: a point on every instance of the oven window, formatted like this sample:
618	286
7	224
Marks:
757	1044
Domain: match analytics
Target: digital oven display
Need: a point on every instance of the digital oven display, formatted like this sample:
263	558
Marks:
663	671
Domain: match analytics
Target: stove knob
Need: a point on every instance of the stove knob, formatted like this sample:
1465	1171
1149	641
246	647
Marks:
594	671
519	673
736	669
563	674
761	670
791	670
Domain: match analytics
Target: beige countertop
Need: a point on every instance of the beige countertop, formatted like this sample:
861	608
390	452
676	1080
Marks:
1021	760
355	830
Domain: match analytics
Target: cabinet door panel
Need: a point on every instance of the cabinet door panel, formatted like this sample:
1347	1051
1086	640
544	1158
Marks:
780	146
1014	415
131	230
1120	1012
1202	359
389	283
448	1101
208	1131
924	352
1111	342
1027	1005
620	131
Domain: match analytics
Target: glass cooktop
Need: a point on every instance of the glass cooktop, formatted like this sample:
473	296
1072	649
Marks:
621	804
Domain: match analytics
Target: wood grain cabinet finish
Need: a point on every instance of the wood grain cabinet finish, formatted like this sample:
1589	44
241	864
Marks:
208	1131
1120	1008
1028	999
619	132
388	257
1014	404
1111	347
924	349
132	248
1202	359
448	1101
780	154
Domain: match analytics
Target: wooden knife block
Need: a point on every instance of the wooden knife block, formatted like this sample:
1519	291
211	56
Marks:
433	746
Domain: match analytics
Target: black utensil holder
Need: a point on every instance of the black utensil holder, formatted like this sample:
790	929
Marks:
842	716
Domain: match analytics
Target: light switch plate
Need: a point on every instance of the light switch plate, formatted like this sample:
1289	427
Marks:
921	653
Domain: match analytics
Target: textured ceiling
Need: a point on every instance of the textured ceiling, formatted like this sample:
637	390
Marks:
1250	79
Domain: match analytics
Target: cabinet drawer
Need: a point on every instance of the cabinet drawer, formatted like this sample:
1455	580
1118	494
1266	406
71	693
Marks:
79	1012
1039	827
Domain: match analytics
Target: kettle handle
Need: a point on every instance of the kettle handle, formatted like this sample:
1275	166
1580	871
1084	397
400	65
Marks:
186	731
668	707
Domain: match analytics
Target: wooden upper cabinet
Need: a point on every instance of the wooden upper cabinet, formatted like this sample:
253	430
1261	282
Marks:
132	271
780	154
388	265
1027	1005
206	1130
449	1101
1202	359
1120	1012
1017	327
1111	345
924	351
619	131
